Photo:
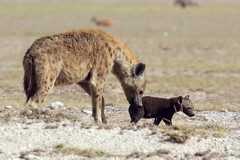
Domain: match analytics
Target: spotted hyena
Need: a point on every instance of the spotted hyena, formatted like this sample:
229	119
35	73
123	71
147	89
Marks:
83	57
161	109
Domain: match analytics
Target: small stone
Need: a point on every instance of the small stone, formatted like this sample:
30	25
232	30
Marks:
56	105
8	107
206	118
31	156
224	110
87	111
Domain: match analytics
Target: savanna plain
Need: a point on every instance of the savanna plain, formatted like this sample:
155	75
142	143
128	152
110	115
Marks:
191	51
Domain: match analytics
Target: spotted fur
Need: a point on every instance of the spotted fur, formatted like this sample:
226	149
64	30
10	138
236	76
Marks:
83	57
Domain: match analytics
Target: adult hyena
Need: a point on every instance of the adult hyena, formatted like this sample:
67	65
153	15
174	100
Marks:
84	57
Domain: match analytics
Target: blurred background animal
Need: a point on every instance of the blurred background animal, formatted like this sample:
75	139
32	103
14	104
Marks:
103	22
185	3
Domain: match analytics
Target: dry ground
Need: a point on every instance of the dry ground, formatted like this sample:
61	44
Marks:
191	51
70	133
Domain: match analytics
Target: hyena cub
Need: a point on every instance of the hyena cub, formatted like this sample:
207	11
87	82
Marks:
161	109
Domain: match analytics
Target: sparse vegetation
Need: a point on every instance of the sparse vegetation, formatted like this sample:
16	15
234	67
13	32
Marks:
180	58
81	152
158	153
181	133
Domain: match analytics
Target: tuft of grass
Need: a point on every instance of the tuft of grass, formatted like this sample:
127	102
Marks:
215	129
177	137
82	152
178	134
159	153
181	133
201	154
7	117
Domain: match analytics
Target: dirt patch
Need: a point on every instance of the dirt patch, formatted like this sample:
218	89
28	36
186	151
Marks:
71	133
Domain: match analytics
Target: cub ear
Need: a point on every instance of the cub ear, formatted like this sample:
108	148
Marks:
179	100
138	69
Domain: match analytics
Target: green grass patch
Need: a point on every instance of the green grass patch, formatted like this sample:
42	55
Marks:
82	152
214	127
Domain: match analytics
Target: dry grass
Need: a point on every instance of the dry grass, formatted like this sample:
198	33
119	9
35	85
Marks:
158	153
181	133
91	153
186	51
81	152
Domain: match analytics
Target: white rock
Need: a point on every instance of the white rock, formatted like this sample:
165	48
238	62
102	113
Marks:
87	111
31	156
56	105
8	107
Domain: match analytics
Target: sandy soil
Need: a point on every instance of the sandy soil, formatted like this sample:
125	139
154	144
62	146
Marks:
36	135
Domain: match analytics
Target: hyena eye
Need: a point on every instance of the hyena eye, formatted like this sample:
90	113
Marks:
140	92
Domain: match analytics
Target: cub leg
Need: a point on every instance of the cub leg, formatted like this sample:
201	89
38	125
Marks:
157	120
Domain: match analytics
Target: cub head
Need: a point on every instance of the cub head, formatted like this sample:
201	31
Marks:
184	104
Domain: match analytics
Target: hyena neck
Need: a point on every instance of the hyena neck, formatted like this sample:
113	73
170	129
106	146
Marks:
122	67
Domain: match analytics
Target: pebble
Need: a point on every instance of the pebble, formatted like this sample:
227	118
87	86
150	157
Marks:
6	107
56	105
87	111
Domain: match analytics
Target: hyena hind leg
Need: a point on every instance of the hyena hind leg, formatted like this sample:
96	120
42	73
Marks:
38	98
45	86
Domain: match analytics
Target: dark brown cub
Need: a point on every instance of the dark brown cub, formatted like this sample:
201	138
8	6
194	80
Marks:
161	109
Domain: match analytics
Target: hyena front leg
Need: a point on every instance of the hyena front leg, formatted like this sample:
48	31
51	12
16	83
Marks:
96	94
86	87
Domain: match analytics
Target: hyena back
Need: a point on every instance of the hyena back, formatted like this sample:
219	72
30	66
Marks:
84	57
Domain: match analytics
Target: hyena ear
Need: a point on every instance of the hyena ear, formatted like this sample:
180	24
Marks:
138	69
179	100
187	96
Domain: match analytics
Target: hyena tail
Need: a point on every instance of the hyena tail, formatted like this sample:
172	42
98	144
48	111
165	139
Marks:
29	80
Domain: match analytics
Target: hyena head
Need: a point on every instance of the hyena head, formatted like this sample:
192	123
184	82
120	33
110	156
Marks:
184	104
135	85
135	113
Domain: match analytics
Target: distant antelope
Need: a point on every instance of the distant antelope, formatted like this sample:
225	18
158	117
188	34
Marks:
104	22
185	3
83	57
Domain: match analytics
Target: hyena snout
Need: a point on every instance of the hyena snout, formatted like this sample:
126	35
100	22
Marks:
188	111
187	106
136	113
